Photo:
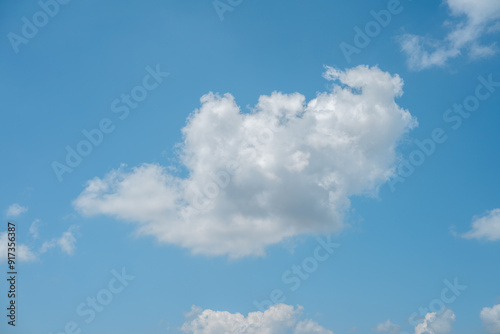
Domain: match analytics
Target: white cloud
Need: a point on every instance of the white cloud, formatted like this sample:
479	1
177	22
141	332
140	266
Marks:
477	11
34	227
485	227
278	319
15	210
23	252
67	242
475	18
491	318
388	327
255	179
436	323
310	327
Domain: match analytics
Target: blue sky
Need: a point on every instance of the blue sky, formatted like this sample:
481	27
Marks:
318	141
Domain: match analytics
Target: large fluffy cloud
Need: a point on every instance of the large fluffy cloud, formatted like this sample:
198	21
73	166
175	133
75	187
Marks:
286	168
436	323
474	19
491	318
485	227
278	319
